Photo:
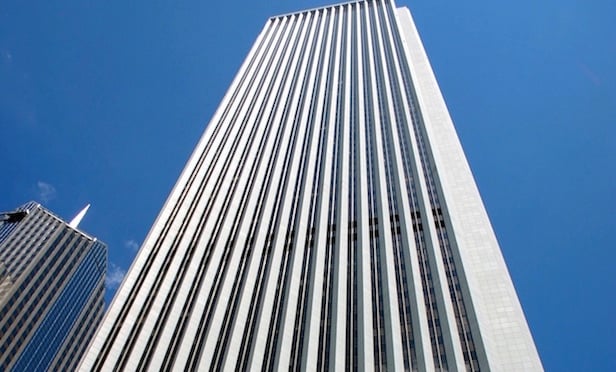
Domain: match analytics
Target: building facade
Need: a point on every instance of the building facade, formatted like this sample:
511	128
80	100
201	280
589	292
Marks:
327	219
52	283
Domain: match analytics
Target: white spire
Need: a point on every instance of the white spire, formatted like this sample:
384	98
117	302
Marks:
75	222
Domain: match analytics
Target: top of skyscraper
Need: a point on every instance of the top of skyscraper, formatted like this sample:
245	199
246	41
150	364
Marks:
330	6
29	206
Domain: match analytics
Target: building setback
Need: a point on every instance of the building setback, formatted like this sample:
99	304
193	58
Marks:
52	283
327	219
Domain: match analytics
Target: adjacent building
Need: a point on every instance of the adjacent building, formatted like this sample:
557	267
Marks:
327	219
52	283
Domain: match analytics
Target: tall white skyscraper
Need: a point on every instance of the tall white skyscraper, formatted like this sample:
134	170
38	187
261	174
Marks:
327	219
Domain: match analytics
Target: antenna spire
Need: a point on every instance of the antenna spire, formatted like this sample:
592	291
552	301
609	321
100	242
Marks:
75	221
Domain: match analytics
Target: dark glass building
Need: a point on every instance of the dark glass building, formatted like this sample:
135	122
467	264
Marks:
52	284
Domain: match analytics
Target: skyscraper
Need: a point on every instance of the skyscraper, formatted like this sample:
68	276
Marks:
52	283
327	219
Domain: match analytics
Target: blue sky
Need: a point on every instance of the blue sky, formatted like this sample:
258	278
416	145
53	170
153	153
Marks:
102	102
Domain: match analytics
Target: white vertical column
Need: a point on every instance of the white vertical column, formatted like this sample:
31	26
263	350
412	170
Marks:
199	307
288	326
251	277
365	316
425	361
137	267
278	250
390	293
501	335
451	339
214	267
342	228
262	328
314	315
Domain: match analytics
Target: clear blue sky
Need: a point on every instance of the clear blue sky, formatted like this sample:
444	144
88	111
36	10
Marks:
102	102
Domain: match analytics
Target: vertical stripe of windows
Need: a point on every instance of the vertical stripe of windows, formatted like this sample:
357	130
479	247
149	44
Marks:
135	289
468	347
